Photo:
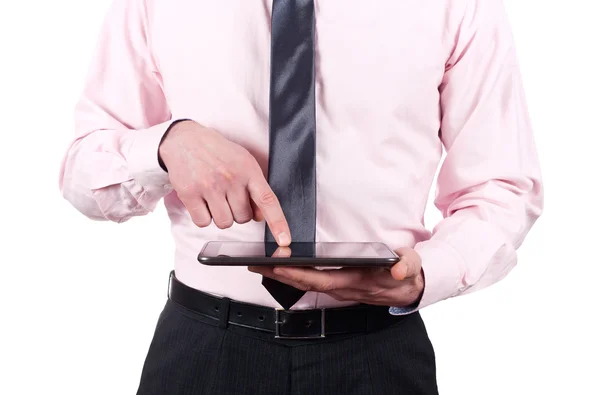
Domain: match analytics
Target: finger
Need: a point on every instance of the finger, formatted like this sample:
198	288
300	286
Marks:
322	280
220	211
239	202
267	202
408	266
343	295
380	279
268	272
199	212
414	267
282	252
257	214
400	270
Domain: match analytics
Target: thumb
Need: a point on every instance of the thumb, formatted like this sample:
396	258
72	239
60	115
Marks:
408	266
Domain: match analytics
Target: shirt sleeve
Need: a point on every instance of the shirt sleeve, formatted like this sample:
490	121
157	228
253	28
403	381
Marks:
111	170
489	188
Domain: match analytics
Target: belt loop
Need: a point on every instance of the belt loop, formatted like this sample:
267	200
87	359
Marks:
224	313
171	276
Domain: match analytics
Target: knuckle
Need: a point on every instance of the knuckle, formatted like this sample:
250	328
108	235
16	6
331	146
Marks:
267	198
223	224
209	184
226	174
201	222
187	192
244	156
374	292
411	269
327	286
243	218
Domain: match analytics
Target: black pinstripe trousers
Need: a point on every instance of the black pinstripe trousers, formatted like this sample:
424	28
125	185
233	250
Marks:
190	355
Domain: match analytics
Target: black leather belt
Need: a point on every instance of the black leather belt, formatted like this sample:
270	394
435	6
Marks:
285	324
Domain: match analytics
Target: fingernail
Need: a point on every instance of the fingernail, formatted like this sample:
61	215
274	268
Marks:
284	239
278	271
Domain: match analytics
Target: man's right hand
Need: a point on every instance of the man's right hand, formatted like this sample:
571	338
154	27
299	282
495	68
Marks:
219	180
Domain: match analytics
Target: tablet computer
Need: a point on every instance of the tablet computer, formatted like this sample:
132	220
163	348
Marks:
321	254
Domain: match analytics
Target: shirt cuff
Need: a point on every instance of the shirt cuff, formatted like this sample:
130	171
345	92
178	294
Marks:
402	310
143	163
442	273
443	270
143	157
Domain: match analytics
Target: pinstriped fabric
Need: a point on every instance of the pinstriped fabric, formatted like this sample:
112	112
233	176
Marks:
181	356
402	360
191	355
397	360
332	368
252	366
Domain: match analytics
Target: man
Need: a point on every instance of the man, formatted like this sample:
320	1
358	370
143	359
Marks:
338	112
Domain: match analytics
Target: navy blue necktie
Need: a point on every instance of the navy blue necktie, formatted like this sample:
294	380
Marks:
292	129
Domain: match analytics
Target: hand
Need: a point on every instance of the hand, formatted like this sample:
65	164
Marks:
400	287
218	180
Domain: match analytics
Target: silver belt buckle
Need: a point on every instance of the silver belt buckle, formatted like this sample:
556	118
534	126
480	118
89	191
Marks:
278	324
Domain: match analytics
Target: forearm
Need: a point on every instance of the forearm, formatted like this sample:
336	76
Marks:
476	246
111	170
489	187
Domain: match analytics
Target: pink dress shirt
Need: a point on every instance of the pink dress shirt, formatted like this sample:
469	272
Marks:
396	83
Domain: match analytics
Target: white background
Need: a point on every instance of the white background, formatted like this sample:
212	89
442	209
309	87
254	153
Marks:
67	327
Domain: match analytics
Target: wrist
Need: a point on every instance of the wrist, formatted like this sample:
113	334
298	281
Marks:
415	301
171	131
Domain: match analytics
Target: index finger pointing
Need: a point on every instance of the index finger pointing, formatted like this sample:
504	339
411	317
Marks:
265	199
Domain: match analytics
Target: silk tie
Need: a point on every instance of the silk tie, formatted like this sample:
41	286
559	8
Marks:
292	128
